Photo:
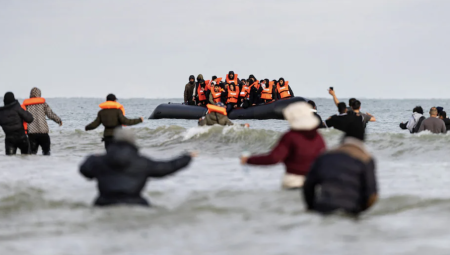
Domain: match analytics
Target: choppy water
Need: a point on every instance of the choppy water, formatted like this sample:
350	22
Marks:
214	207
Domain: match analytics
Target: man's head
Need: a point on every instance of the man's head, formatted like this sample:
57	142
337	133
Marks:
231	86
9	98
191	79
231	75
214	78
418	109
356	106
220	104
200	77
263	81
111	97
125	135
342	108
433	112
351	101
443	115
313	104
216	88
252	78
439	109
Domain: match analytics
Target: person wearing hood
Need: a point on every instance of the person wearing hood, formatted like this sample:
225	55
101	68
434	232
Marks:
254	91
244	94
38	130
200	81
283	90
297	149
343	179
122	172
12	119
217	115
189	91
443	116
201	93
112	116
231	77
414	123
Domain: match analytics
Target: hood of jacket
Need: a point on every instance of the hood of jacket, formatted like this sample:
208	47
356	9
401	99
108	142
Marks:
121	154
35	92
200	77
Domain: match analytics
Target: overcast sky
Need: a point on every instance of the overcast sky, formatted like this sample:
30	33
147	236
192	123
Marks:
148	48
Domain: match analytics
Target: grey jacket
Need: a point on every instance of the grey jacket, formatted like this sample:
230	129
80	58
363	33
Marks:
434	125
215	119
40	112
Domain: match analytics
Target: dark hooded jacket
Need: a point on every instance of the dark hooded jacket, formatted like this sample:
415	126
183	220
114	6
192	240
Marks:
39	112
342	179
278	96
189	90
122	173
12	117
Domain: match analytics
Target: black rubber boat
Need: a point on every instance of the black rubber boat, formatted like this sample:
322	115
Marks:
273	110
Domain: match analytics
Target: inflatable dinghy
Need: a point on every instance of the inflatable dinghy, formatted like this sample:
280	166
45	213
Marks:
273	110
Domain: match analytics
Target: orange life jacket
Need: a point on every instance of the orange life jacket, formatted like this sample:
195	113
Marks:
216	96
266	94
112	105
201	93
31	101
213	108
233	95
284	91
207	85
245	92
235	79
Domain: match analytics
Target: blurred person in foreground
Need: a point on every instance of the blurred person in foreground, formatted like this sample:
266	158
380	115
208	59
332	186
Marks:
343	179
297	149
122	172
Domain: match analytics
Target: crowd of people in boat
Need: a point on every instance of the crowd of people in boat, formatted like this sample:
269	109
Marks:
235	92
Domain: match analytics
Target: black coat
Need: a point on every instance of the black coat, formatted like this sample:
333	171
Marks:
346	180
122	173
12	117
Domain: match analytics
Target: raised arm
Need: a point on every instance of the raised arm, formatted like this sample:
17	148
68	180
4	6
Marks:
51	115
333	94
160	169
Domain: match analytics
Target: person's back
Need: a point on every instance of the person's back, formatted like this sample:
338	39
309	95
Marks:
38	130
342	179
122	172
433	124
12	117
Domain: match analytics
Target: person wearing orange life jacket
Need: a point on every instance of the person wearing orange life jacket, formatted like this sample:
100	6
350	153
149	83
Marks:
267	92
38	130
255	95
111	116
217	115
244	95
283	89
232	97
197	84
201	93
216	95
232	78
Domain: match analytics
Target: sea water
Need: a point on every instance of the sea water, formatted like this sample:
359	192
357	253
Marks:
213	206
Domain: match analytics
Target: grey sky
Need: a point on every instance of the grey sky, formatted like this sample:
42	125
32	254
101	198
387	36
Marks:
141	48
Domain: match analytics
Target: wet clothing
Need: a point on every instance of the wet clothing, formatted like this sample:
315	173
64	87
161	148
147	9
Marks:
122	173
215	119
111	119
342	179
189	91
413	123
343	121
447	124
12	117
42	140
297	149
434	125
17	141
40	112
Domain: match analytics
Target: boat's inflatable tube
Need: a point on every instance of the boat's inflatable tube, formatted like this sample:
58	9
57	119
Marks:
272	110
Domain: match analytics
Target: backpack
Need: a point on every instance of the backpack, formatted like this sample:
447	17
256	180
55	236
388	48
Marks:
418	124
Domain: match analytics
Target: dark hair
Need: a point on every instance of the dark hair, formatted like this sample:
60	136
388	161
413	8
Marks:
313	105
443	114
356	105
342	107
351	101
418	109
214	77
111	97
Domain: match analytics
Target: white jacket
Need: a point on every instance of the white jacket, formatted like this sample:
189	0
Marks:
413	121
